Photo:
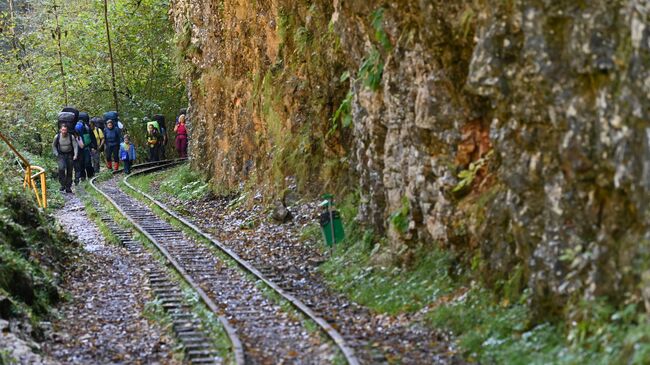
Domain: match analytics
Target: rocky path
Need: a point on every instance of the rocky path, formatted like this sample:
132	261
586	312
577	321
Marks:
103	322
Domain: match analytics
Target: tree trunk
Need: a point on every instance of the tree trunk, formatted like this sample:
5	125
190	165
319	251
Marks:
57	34
110	53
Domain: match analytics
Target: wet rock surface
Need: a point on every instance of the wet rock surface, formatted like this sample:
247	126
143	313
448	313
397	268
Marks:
558	90
103	321
277	251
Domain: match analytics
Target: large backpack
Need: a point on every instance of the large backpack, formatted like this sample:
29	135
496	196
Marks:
99	122
83	116
161	120
72	110
67	118
112	115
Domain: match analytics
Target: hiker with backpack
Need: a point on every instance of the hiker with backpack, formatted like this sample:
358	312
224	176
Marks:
114	116
153	140
99	138
127	154
181	136
90	144
65	149
79	169
113	138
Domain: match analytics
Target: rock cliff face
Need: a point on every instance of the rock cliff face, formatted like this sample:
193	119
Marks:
511	132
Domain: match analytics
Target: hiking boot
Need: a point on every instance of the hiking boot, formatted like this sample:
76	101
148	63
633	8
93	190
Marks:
68	190
62	189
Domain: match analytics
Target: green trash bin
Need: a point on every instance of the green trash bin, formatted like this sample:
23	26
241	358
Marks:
330	222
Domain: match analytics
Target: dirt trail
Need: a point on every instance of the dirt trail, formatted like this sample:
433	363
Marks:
103	322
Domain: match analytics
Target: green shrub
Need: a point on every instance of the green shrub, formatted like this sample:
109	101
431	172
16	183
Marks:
371	70
185	183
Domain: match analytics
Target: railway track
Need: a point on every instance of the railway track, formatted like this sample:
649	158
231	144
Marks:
293	268
189	329
236	291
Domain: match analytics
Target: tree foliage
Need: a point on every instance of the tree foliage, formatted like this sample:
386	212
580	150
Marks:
31	86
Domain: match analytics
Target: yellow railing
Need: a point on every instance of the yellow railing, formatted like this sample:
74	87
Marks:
30	180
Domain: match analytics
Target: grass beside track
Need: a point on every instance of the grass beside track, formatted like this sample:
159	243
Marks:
489	328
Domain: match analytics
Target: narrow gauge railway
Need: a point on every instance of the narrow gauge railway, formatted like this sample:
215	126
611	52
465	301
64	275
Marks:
268	333
370	340
199	345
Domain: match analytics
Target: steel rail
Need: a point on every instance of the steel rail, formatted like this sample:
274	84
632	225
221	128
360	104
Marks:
237	347
302	307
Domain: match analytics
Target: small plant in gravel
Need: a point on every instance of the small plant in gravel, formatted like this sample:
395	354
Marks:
6	358
311	233
154	311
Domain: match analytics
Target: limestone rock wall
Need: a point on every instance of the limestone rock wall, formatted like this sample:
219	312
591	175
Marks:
514	133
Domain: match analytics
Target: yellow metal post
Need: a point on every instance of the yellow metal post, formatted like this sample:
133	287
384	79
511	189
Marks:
44	189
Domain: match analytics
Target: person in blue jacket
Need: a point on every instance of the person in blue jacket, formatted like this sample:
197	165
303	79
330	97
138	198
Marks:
113	137
127	154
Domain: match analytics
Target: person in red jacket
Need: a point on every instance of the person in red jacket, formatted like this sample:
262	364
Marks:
181	137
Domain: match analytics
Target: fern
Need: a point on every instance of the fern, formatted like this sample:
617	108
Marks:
400	219
467	176
343	113
377	21
372	70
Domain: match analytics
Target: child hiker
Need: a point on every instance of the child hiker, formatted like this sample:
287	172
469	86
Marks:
127	154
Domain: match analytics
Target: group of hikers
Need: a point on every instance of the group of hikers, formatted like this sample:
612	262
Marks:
81	140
